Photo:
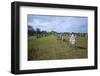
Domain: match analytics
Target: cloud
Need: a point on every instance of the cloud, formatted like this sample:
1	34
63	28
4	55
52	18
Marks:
59	23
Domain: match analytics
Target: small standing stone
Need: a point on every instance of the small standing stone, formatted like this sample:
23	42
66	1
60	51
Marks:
72	40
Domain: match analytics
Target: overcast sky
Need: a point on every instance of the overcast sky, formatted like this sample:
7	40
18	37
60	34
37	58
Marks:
59	23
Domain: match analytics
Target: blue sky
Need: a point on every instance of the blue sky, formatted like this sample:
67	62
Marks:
59	23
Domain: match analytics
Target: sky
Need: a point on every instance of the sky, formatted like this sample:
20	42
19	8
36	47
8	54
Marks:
58	24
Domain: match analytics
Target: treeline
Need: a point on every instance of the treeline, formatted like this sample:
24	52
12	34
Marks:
38	33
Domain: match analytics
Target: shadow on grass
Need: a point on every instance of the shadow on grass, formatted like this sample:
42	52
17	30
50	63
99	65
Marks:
81	47
33	54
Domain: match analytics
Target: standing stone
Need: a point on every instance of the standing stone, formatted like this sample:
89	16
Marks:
72	40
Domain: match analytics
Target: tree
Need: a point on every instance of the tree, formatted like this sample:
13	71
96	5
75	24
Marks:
31	31
38	31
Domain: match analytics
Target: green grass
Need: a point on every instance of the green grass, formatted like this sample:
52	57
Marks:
50	47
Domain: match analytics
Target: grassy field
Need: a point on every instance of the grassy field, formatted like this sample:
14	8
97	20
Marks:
51	47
